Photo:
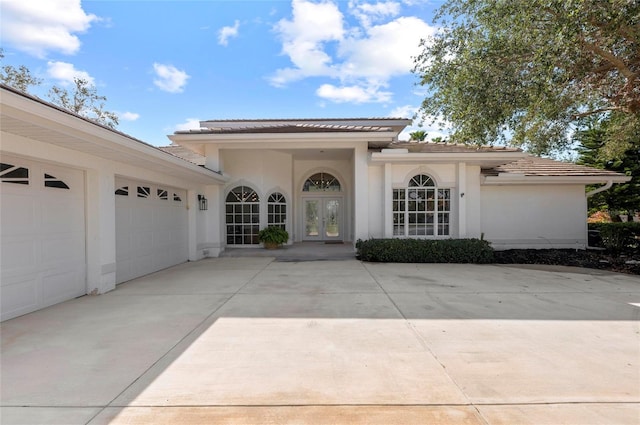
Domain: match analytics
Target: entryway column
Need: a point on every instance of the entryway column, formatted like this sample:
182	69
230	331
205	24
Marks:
361	192
101	231
215	221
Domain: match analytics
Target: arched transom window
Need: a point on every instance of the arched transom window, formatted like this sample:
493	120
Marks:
242	216
421	209
277	210
321	182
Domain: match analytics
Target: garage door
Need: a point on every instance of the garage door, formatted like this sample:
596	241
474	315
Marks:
43	235
151	228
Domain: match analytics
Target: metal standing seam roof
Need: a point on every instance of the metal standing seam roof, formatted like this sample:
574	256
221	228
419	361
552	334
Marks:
288	128
535	166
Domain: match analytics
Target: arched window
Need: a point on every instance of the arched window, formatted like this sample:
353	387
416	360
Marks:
277	210
321	182
421	209
242	216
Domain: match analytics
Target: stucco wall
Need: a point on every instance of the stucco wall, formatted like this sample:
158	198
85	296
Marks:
444	174
527	216
376	207
266	172
473	208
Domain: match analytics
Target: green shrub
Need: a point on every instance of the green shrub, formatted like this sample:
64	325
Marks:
617	236
425	251
273	235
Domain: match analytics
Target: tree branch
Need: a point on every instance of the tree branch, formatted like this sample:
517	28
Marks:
597	111
618	63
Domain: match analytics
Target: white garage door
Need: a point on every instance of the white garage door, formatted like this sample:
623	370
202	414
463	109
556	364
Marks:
43	235
151	228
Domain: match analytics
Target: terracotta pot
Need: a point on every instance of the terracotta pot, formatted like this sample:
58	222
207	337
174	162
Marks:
271	245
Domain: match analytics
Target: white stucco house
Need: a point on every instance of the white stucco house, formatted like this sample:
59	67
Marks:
84	207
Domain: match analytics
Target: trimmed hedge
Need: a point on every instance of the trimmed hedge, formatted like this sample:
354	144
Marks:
425	251
617	236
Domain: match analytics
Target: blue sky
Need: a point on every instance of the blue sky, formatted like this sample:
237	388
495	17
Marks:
165	65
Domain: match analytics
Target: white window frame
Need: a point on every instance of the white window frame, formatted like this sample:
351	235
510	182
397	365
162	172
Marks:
430	202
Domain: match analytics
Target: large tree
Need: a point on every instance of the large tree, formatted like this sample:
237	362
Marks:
528	72
20	77
621	197
82	99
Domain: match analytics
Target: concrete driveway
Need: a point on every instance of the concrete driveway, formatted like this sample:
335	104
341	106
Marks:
251	340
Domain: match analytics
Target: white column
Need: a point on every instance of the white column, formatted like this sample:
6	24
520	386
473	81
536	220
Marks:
388	201
361	192
214	223
192	219
101	231
462	200
212	241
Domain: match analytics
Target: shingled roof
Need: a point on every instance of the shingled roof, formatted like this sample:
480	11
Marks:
429	147
184	153
535	166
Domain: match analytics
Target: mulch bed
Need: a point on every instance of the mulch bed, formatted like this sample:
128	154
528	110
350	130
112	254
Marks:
568	257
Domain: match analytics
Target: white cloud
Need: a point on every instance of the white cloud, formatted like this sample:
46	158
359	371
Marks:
387	50
170	79
66	72
406	111
363	57
367	13
37	27
189	124
227	32
353	94
128	116
304	38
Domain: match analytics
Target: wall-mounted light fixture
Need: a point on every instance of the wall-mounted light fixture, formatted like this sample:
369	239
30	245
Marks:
203	203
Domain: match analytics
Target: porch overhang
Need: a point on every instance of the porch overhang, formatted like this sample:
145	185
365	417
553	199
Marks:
197	142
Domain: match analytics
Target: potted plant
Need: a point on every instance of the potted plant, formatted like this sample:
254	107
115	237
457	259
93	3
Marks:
272	237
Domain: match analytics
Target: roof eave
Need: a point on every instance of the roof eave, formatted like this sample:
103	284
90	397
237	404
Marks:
522	179
487	159
196	142
96	139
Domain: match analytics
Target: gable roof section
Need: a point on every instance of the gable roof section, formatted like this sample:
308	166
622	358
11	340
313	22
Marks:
33	118
540	170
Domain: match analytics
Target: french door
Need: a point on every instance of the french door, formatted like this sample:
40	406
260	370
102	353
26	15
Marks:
322	219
